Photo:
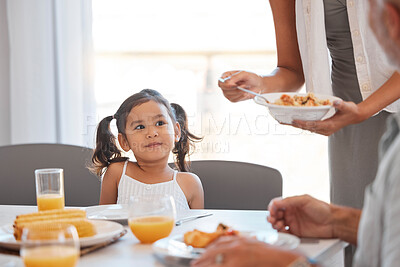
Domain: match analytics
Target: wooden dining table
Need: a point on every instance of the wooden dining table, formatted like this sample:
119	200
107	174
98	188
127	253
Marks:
128	251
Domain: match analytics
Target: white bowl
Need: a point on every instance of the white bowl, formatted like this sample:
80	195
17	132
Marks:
286	114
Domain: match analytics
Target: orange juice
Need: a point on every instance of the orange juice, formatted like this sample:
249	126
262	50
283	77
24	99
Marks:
50	256
50	202
150	229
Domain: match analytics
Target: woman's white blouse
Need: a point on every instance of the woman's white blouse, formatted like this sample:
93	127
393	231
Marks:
373	69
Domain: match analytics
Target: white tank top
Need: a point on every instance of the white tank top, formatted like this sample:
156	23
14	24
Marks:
128	187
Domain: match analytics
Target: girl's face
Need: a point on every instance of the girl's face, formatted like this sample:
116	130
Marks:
150	132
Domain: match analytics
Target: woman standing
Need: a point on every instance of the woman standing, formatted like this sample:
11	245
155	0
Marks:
357	72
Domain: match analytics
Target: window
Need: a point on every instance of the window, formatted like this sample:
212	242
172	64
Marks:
180	48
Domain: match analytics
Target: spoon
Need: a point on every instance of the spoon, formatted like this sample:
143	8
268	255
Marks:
253	93
244	90
227	78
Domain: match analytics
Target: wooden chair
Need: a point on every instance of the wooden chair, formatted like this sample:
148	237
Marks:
18	163
237	185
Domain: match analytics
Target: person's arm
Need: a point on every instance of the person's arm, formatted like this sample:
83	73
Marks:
109	184
305	216
345	223
191	186
349	113
234	251
288	75
384	96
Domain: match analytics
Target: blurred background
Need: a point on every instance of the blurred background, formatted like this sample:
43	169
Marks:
67	64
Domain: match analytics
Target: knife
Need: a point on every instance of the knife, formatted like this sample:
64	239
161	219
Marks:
179	222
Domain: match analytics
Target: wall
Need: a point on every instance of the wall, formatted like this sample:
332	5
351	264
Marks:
5	124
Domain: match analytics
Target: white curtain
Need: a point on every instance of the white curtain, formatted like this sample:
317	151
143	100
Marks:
46	72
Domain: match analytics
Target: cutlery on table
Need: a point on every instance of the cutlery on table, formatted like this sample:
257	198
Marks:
183	220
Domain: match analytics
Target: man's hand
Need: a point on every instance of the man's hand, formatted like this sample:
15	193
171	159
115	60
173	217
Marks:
302	216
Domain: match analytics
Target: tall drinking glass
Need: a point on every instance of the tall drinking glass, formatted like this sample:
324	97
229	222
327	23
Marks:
49	189
51	245
151	217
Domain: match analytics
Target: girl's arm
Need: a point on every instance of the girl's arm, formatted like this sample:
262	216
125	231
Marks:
350	113
288	75
192	188
109	184
197	201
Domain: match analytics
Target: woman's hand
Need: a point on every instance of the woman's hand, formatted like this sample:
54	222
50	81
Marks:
302	216
230	80
346	113
242	252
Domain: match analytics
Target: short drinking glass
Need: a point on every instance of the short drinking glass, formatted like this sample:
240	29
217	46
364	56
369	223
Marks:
49	189
52	245
151	217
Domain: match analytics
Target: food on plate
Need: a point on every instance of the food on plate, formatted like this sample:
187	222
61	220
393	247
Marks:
49	215
46	219
310	100
199	239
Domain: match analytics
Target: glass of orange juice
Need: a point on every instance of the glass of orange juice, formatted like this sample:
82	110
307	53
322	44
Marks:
52	245
151	217
50	189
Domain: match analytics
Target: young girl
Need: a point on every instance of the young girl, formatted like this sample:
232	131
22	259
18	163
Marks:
152	128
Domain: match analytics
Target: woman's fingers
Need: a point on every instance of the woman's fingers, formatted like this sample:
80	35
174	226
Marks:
236	95
226	78
224	242
207	259
222	246
346	113
230	73
319	127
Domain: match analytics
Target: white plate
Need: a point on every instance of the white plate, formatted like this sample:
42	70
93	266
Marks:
105	230
115	212
286	114
119	213
172	251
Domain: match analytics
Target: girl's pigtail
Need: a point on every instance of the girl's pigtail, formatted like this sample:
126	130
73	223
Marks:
186	141
106	150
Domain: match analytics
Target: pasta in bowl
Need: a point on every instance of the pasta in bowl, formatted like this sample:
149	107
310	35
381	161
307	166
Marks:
286	107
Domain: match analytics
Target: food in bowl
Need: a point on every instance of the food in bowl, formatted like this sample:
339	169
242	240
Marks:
287	113
309	100
199	239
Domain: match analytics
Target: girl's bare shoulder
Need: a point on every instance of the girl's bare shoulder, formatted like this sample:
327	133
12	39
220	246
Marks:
114	171
188	178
